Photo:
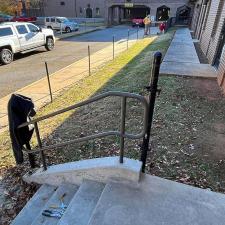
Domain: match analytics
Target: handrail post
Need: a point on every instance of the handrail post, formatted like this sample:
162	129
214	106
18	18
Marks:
137	32
122	129
89	60
113	47
49	83
128	37
40	146
31	157
153	89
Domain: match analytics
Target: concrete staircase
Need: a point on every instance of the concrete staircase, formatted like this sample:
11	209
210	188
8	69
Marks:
80	201
150	201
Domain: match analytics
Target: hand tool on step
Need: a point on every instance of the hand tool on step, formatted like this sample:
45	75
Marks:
50	213
62	206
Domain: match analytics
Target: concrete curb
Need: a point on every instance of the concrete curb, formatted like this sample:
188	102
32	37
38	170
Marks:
98	169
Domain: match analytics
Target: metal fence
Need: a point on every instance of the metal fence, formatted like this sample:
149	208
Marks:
92	63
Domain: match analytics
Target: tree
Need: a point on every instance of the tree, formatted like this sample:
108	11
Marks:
8	6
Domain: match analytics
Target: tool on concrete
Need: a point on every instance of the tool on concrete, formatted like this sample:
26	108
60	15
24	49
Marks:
59	210
50	213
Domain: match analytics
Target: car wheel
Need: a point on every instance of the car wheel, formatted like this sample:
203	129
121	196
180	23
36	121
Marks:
49	44
68	30
6	56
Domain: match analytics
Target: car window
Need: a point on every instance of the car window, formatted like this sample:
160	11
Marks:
47	19
58	20
53	20
32	28
5	31
22	29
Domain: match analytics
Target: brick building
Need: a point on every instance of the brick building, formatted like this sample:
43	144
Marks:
117	11
208	25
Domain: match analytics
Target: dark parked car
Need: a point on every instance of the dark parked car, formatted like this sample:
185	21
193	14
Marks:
23	19
5	18
137	22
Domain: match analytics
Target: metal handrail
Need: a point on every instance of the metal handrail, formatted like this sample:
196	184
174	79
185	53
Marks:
88	101
122	133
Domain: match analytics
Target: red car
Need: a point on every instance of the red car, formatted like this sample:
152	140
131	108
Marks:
137	22
23	19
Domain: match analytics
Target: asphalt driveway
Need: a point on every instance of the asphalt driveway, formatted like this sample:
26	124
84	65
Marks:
29	68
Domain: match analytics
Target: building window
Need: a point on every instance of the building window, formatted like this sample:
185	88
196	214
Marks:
97	11
62	3
81	10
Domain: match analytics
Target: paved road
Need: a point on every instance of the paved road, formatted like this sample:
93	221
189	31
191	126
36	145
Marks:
30	67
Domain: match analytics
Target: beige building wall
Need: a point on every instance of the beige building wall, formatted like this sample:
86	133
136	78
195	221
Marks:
74	8
100	8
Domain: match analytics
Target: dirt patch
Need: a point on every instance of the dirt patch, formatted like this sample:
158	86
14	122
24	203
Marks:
207	88
190	137
213	139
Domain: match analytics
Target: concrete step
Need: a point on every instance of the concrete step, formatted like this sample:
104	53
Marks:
35	205
69	191
83	204
156	201
188	69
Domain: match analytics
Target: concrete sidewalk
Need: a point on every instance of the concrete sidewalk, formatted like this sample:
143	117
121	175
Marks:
64	78
181	58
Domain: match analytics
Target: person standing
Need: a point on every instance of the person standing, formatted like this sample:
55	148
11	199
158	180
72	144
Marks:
162	27
147	23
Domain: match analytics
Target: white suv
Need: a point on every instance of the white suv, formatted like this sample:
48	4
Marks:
22	37
60	24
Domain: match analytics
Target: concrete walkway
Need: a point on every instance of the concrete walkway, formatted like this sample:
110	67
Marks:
181	58
63	79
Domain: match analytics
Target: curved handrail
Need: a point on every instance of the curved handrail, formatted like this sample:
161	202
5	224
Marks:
88	101
122	133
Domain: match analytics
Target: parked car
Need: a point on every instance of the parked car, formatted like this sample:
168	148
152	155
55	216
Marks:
16	37
137	22
23	19
5	17
59	23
